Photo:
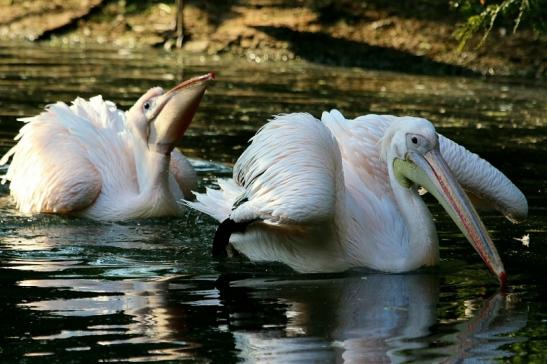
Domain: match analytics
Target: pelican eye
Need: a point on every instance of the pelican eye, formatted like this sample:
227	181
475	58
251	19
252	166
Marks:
146	105
414	140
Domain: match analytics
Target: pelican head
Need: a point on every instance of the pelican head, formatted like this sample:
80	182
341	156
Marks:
161	118
412	147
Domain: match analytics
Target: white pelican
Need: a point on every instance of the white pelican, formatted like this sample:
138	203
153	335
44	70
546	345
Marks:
329	195
92	160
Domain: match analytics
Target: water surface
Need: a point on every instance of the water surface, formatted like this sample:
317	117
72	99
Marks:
145	291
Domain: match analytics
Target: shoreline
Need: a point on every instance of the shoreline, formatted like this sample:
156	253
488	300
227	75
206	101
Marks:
374	37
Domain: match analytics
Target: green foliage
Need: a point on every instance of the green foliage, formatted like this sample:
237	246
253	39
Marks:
482	15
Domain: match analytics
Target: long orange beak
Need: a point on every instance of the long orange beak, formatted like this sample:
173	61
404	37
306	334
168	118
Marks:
177	107
431	171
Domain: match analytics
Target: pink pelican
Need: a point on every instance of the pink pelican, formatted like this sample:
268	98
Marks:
330	195
92	160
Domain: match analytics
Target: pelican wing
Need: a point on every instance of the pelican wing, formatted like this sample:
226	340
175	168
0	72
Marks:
288	173
48	172
53	167
359	140
487	186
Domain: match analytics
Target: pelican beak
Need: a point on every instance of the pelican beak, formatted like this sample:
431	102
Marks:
431	172
176	108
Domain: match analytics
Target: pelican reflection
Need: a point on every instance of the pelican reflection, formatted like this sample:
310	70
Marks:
375	318
127	299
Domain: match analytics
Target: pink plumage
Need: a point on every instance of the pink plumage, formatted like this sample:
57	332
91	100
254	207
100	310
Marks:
93	160
324	195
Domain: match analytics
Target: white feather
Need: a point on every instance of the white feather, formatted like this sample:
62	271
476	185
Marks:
217	203
305	154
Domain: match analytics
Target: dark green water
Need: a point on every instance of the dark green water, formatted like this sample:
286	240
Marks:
140	291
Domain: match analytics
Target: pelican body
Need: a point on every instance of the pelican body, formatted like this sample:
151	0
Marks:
92	160
332	194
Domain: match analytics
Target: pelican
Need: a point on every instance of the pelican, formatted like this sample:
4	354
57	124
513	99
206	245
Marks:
330	195
92	160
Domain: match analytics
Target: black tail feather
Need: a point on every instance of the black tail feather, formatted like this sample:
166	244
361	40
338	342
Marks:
223	233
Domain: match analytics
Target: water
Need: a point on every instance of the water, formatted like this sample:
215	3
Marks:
145	291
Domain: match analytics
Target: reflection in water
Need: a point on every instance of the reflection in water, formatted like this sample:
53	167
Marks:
105	278
373	318
488	329
142	300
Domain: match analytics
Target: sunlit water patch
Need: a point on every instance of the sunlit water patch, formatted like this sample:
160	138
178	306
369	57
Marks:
149	290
